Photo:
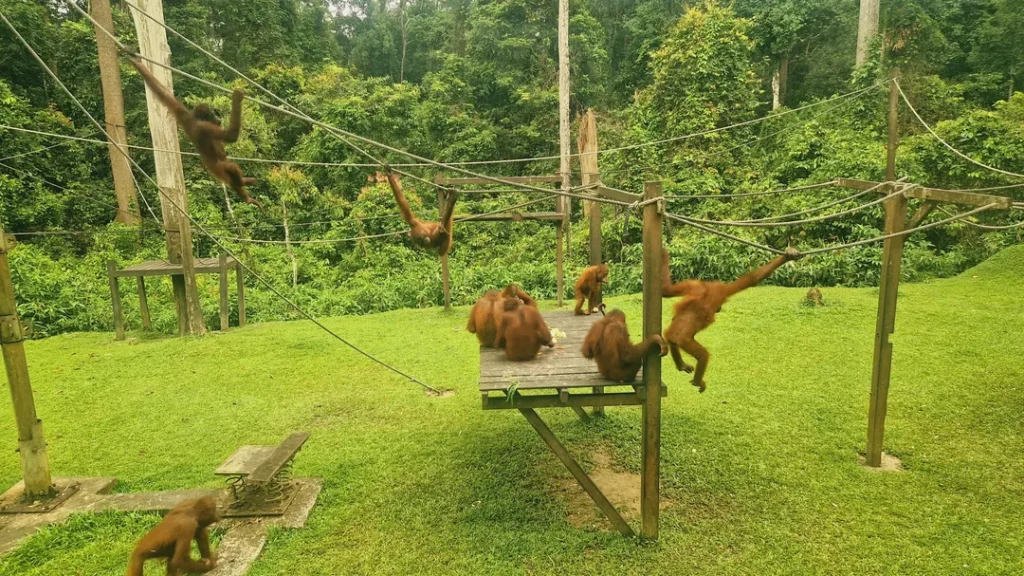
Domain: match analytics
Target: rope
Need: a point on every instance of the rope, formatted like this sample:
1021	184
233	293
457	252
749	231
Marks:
984	226
815	209
699	226
749	194
762	224
897	234
742	144
947	144
181	153
198	225
12	157
63	189
296	113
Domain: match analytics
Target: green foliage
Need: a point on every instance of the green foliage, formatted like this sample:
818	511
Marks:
468	80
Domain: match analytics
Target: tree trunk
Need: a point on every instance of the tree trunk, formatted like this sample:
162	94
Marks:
867	28
1011	82
113	114
405	43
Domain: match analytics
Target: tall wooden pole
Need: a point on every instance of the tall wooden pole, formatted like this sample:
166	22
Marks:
587	144
35	465
113	114
892	256
867	29
564	139
650	455
169	176
445	278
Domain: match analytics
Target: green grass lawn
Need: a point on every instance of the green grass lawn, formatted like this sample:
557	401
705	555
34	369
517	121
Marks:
760	471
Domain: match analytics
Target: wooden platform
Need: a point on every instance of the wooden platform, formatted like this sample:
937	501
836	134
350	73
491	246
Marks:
220	265
562	369
165	268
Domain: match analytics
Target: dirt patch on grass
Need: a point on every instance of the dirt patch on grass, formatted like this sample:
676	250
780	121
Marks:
890	463
622	489
439	393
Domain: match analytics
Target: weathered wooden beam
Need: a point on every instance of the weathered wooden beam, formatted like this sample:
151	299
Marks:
615	194
240	280
140	283
933	194
577	471
650	459
921	214
553	401
223	292
115	299
517	179
517	216
35	464
888	291
283	454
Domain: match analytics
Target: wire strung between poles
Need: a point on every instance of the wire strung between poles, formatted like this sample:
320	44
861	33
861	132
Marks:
947	144
199	225
710	230
452	166
29	153
671	197
984	226
898	234
853	196
750	142
756	224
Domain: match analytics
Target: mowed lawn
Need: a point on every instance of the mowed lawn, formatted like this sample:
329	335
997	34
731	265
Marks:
760	472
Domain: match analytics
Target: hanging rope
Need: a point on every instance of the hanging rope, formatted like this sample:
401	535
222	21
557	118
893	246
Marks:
898	234
201	228
749	142
984	226
709	230
794	189
947	144
29	153
762	224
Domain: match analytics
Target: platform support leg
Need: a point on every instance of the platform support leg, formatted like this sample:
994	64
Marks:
223	269
588	485
115	300
140	283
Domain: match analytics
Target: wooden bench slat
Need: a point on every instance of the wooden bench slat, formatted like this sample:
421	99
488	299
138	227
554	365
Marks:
245	460
283	453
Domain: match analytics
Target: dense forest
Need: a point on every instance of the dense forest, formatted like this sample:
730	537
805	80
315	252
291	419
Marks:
470	80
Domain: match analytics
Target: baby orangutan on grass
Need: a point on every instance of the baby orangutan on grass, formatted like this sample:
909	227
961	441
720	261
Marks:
617	358
172	539
483	319
521	331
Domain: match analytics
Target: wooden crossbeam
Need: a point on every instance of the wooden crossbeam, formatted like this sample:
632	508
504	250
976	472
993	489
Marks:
933	194
517	179
277	460
517	216
572	400
620	195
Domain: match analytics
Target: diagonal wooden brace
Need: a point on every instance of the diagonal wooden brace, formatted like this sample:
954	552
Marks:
588	485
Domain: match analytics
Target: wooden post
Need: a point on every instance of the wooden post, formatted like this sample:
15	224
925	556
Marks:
650	464
223	269
169	176
113	114
240	280
892	255
445	278
115	300
35	464
564	140
586	142
140	283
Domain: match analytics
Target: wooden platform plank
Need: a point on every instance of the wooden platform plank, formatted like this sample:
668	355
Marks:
283	453
245	460
165	268
559	367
